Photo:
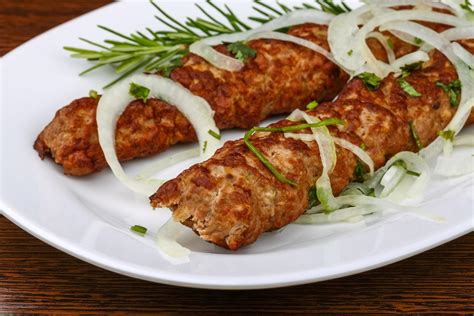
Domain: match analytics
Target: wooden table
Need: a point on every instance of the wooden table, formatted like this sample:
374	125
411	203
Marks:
35	277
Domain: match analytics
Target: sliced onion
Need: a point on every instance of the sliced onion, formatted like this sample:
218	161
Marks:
415	57
359	152
343	214
116	99
402	15
204	47
466	76
415	163
459	33
294	39
166	162
356	150
327	151
391	179
215	58
464	55
166	240
383	41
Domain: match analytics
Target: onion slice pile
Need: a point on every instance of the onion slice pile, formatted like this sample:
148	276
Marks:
116	99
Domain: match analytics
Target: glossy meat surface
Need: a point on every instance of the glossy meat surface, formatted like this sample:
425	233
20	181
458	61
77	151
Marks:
232	198
282	77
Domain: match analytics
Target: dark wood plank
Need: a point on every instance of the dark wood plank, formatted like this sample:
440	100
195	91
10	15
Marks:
35	277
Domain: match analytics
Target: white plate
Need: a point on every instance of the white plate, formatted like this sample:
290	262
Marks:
89	217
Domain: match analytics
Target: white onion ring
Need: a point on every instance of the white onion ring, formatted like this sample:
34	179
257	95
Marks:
116	99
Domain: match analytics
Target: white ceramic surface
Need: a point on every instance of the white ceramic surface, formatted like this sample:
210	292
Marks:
89	217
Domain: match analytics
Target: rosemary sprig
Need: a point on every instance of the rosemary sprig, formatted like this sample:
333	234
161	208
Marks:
161	51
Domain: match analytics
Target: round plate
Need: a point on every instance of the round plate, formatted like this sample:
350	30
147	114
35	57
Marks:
89	217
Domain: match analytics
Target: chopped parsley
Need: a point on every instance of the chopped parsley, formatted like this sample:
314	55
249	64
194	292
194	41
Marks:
408	88
241	51
360	172
408	69
140	230
312	197
401	163
390	43
312	105
350	52
453	89
204	146
467	6
93	94
418	41
214	134
371	81
139	92
414	134
448	134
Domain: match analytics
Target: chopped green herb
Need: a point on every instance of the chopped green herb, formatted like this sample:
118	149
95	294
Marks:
204	146
350	52
390	43
467	6
139	92
414	134
241	51
453	89
138	229
418	41
93	94
362	146
360	172
285	129
312	197
408	88
403	164
312	105
214	134
448	134
371	81
408	69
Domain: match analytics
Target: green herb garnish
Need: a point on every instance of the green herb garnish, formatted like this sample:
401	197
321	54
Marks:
447	135
408	69
312	197
360	172
161	51
402	164
467	6
418	41
312	105
408	88
214	134
414	134
350	52
453	89
204	146
241	51
139	92
371	81
93	94
286	129
390	43
140	230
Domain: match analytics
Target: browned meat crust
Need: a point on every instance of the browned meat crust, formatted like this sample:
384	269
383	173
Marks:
282	77
232	198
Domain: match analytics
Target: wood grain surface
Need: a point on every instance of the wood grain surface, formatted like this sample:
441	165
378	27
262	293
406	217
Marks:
35	277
